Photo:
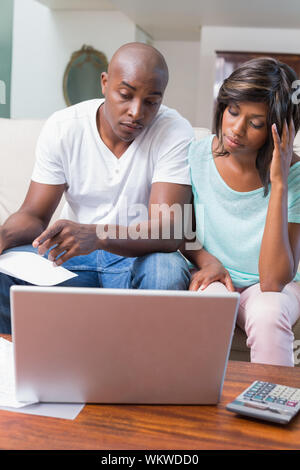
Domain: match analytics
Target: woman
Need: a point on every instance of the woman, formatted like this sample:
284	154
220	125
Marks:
247	178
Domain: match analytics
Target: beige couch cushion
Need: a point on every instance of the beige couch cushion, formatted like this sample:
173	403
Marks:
18	141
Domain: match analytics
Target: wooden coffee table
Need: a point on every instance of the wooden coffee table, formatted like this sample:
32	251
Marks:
160	427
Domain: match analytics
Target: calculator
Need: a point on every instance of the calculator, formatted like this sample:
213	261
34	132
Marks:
267	401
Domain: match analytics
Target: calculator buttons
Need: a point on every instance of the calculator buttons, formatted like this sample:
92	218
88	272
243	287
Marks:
268	401
258	397
264	392
281	401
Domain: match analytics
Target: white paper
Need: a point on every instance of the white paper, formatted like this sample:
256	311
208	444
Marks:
7	378
33	268
52	410
8	399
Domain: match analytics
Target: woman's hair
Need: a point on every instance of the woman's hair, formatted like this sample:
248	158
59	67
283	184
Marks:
263	80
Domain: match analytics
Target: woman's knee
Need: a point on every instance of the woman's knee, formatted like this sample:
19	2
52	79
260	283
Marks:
270	310
216	287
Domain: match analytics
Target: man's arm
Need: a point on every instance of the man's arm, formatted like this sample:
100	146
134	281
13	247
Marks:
32	218
164	229
162	232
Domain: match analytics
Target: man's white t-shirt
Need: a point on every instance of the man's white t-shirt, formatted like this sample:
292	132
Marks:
102	188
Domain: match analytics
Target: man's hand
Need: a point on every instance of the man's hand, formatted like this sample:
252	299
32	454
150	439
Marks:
210	273
70	238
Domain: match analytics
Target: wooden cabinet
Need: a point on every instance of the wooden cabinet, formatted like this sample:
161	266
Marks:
227	62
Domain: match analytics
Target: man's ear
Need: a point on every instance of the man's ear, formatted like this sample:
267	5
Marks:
104	80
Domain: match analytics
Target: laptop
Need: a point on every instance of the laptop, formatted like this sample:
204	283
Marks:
89	345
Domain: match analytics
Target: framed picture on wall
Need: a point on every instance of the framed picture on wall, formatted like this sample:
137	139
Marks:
82	77
228	61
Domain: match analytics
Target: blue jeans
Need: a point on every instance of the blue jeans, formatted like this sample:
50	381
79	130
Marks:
103	269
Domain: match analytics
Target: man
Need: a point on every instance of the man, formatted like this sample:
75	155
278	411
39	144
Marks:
110	157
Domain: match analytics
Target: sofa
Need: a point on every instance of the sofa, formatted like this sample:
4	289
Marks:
18	140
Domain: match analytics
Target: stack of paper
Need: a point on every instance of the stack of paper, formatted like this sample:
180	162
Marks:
8	399
39	271
7	379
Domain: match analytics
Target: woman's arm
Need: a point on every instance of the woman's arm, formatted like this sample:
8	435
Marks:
210	269
280	247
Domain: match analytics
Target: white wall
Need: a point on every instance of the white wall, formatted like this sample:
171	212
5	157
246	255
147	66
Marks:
235	39
43	41
183	61
142	36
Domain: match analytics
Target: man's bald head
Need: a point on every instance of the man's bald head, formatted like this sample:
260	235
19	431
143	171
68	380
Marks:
142	59
133	88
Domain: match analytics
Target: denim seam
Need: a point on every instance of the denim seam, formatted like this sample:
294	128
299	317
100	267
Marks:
98	269
115	270
81	267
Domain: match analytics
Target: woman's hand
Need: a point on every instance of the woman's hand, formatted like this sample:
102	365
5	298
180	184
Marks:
210	273
282	154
